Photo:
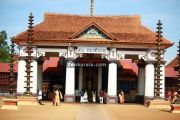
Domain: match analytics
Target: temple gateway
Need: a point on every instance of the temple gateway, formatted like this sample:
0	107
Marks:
89	49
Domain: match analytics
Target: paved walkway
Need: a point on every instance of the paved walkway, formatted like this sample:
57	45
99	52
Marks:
93	112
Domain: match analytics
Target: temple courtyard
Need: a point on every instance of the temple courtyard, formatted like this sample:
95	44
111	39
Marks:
77	111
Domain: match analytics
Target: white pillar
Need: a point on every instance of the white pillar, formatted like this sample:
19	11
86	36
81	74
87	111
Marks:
162	81
40	76
112	79
21	76
34	70
80	77
141	81
70	82
149	80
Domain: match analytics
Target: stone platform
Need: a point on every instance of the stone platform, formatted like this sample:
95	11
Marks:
175	108
27	100
158	103
10	104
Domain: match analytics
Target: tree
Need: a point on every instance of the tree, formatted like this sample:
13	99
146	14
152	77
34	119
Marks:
4	48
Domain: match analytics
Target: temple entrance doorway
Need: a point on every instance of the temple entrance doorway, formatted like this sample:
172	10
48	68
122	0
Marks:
90	78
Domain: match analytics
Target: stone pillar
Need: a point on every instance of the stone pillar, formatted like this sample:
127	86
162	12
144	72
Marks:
21	76
141	84
70	82
34	70
112	83
99	78
40	76
149	82
162	81
80	78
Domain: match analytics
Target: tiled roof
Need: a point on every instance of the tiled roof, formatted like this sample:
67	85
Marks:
4	67
170	72
173	63
51	64
127	64
60	27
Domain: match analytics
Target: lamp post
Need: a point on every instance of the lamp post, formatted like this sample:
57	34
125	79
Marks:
159	62
11	70
29	51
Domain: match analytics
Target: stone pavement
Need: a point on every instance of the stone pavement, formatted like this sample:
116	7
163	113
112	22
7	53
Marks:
75	111
92	112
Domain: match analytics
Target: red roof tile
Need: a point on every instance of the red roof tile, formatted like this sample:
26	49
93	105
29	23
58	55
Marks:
60	27
51	64
129	65
169	72
173	63
4	67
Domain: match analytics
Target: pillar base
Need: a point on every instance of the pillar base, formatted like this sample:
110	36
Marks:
147	100
27	100
175	108
140	99
112	99
10	104
69	98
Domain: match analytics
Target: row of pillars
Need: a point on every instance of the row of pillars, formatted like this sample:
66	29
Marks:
145	80
70	81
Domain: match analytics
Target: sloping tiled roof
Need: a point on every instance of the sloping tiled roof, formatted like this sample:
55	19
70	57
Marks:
173	63
60	27
127	64
170	72
51	64
4	67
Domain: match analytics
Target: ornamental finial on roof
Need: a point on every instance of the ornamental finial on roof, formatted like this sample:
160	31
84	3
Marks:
92	8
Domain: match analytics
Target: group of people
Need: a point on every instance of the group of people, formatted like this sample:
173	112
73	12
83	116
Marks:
102	97
172	97
84	96
56	97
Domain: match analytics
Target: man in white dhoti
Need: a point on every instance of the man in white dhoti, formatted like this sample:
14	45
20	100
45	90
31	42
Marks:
85	97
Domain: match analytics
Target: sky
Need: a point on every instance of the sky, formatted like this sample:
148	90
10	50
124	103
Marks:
14	14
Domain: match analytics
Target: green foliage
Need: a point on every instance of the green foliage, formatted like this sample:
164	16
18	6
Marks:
4	48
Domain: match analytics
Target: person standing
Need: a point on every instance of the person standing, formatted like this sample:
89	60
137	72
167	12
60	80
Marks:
175	96
85	97
94	96
82	96
101	96
61	96
40	97
121	97
56	97
169	95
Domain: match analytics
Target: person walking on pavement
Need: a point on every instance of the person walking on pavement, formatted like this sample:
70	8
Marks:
40	97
